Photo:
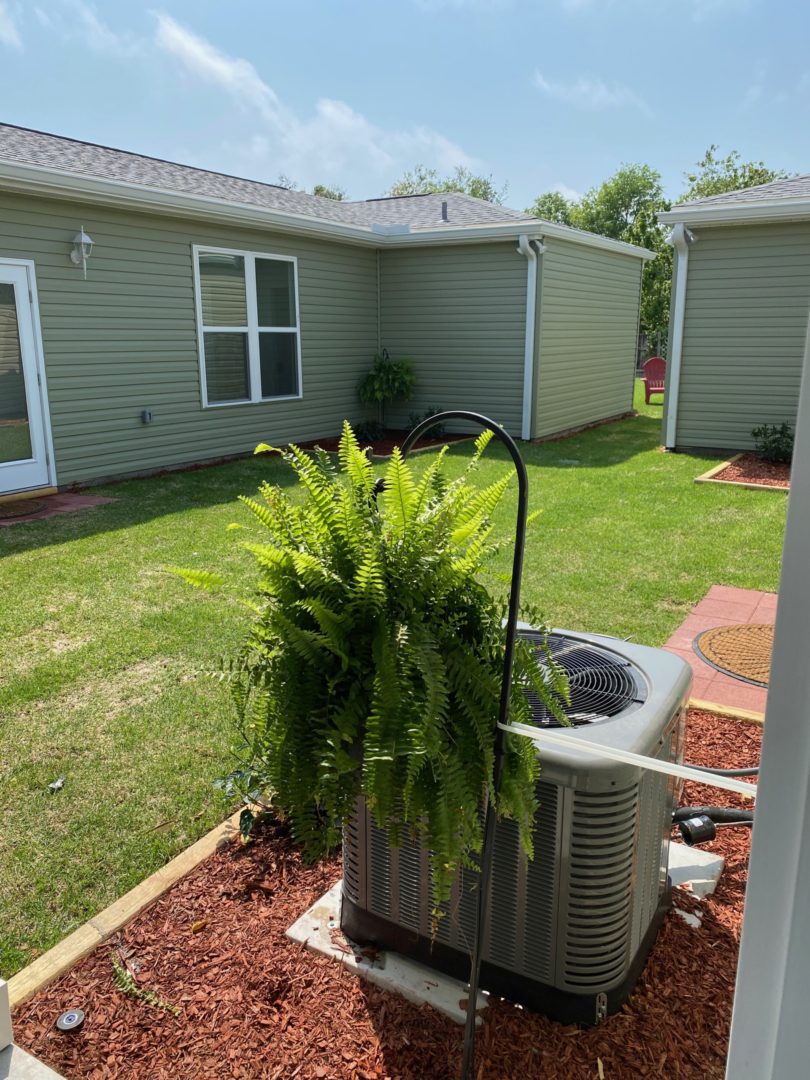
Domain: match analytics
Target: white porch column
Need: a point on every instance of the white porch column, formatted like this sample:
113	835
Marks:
770	1033
5	1017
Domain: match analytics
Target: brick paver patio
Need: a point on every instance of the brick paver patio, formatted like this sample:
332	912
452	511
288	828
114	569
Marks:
721	606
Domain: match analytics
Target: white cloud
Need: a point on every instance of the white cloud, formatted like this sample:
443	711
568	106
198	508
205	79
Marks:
238	77
44	19
9	34
568	192
97	34
78	21
334	140
591	93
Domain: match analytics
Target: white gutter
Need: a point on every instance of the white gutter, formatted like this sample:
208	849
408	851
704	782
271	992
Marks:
525	248
680	238
739	212
56	183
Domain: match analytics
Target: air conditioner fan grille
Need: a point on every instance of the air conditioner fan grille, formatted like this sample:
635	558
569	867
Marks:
602	683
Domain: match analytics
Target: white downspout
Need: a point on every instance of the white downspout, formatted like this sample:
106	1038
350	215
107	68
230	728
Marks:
680	238
525	248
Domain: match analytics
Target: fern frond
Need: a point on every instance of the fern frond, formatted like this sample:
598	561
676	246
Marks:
200	579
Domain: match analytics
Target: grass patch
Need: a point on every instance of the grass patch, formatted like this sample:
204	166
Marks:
100	647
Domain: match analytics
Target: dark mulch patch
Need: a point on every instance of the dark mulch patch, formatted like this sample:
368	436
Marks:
751	469
253	1005
20	508
384	446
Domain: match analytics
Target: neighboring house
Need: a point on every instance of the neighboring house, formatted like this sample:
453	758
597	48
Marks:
214	312
740	303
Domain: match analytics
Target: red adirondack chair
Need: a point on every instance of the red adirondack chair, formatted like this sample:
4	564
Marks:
655	370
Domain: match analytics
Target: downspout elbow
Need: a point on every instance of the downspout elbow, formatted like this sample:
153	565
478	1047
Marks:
526	247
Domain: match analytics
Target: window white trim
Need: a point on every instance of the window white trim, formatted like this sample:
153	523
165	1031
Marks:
252	327
39	354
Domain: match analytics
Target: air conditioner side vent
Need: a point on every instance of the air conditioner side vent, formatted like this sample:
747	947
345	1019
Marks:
600	886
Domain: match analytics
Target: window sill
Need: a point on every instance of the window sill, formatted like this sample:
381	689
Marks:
258	401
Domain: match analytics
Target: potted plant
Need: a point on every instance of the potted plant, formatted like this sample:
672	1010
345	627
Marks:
373	664
388	380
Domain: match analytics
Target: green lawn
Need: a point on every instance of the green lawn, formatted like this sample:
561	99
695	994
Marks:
99	647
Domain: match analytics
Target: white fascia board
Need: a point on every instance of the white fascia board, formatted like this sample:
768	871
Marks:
741	214
39	180
578	236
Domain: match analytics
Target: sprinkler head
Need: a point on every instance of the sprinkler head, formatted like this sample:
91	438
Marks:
71	1020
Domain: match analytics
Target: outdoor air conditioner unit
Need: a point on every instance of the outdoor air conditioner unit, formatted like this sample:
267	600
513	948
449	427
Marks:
568	932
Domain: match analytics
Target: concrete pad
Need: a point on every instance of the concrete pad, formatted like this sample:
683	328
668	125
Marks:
700	869
319	930
16	1064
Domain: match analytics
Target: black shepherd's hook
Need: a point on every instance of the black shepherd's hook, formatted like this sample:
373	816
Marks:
487	851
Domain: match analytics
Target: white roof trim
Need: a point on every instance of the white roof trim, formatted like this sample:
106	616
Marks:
40	180
738	212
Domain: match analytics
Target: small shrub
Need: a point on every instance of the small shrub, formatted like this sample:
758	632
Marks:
369	431
415	418
774	442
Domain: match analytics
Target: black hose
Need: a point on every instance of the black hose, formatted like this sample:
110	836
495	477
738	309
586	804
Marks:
718	814
752	771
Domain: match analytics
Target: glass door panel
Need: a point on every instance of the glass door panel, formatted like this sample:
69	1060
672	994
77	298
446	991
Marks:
15	428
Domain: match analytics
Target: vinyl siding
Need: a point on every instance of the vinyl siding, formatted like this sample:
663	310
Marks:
459	313
747	302
589	306
126	338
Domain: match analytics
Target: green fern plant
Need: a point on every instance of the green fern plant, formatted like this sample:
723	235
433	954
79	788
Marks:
373	665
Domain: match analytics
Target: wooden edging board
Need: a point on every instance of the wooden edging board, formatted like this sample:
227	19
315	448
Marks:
709	478
727	710
81	942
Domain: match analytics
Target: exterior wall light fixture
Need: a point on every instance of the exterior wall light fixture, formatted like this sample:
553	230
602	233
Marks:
82	249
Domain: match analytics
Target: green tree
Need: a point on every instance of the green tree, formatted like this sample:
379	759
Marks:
552	206
423	181
327	192
714	175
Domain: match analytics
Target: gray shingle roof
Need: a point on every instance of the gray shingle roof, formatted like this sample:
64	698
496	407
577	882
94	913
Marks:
22	145
795	187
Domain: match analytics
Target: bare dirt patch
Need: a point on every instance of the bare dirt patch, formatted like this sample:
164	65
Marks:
751	469
240	1000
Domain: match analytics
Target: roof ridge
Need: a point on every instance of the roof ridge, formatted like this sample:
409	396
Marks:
153	157
745	190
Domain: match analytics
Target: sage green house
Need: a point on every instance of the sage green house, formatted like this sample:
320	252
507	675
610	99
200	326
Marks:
739	314
154	315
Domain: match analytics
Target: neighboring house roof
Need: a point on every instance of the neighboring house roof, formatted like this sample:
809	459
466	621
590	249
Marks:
37	161
781	199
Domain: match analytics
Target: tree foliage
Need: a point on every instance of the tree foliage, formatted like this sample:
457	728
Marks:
374	662
327	192
552	206
713	175
423	181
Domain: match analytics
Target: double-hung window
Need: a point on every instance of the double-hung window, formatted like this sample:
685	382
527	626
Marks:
247	312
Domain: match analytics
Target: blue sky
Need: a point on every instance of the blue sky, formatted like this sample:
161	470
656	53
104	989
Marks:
544	94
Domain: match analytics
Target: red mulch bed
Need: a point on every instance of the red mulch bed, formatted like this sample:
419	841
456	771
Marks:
253	1005
385	445
751	469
